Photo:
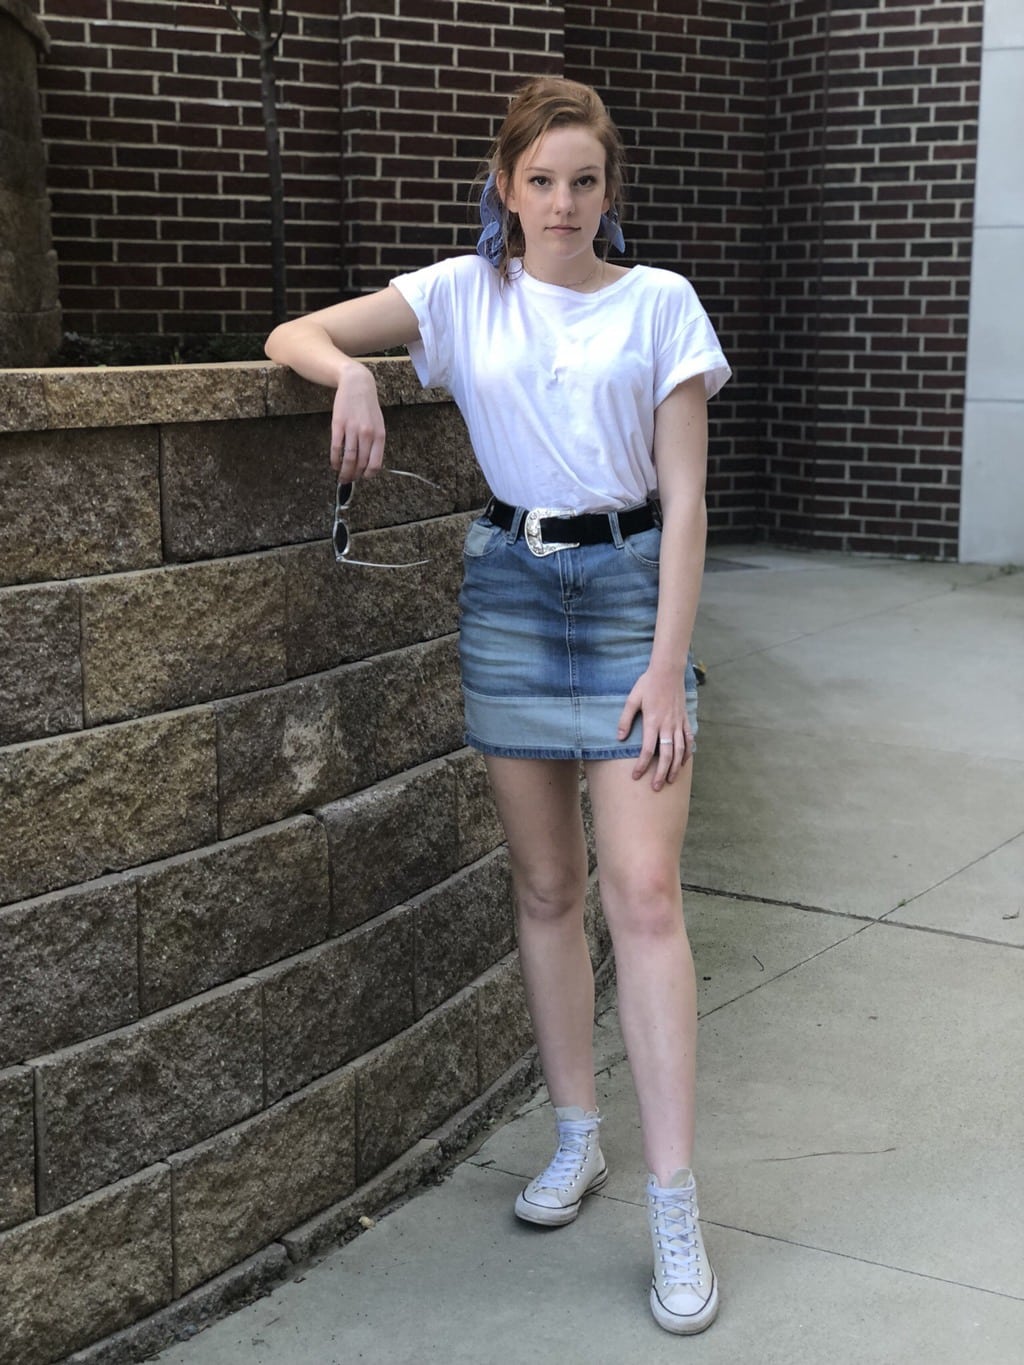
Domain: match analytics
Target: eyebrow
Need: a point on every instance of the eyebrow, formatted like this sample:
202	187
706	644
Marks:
548	171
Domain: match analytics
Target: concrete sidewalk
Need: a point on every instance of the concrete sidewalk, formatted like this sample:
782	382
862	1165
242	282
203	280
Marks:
855	866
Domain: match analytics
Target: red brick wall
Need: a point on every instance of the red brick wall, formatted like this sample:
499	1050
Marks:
688	92
157	164
425	84
871	165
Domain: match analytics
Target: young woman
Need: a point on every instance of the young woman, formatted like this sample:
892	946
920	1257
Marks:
584	389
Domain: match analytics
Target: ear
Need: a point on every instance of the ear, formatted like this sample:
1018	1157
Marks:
505	192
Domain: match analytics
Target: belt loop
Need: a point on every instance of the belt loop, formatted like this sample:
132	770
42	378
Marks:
617	536
512	534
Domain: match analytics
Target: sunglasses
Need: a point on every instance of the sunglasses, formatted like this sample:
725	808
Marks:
342	536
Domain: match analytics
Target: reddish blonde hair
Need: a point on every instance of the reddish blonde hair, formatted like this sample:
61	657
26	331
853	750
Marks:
545	103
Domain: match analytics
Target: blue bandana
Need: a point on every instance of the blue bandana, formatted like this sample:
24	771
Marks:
611	231
490	244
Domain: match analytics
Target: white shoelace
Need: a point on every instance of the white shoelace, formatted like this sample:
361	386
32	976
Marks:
676	1226
568	1161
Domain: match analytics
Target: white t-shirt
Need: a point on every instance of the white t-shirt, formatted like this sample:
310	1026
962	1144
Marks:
558	388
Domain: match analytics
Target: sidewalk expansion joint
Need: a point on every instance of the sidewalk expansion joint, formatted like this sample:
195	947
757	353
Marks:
853	1151
862	1260
785	971
1012	839
885	922
774	900
866	921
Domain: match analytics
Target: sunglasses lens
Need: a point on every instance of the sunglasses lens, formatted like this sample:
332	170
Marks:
344	496
341	540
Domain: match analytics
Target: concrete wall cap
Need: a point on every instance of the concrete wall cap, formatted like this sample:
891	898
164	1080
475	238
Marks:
136	395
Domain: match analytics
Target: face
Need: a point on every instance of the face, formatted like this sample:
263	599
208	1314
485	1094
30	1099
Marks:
558	191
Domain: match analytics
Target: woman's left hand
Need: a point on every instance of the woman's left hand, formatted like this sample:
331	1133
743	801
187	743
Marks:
667	737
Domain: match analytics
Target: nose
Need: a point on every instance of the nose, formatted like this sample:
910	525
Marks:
564	202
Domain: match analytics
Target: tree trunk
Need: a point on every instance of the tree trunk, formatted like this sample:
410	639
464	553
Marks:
268	90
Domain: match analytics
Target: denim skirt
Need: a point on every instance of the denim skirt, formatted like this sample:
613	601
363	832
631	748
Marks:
552	645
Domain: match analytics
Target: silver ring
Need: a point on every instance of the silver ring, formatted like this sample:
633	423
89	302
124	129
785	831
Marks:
666	739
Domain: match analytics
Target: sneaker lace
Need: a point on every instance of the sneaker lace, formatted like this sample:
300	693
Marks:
676	1225
568	1161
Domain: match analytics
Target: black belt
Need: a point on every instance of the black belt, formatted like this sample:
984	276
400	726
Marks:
547	529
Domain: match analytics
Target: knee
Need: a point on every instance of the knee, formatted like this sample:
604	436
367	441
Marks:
550	899
648	903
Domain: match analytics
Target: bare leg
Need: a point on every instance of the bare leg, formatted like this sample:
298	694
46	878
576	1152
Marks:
538	802
639	840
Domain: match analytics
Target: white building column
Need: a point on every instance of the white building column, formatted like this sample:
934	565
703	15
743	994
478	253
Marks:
992	500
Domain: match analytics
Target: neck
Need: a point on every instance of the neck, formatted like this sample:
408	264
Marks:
577	275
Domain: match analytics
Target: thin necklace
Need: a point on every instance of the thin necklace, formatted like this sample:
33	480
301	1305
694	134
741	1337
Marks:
575	284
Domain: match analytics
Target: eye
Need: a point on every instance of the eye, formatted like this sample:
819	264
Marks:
587	182
539	180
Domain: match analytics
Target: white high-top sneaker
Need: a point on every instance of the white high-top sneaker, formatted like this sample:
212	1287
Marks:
577	1169
684	1292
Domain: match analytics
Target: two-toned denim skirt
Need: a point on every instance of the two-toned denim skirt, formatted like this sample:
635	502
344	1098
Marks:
551	645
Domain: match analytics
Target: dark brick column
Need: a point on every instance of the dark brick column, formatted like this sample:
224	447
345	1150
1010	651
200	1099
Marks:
871	183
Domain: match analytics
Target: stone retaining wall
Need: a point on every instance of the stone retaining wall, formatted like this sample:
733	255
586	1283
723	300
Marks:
257	969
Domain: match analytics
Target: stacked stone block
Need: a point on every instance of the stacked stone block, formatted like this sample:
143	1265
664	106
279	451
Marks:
257	966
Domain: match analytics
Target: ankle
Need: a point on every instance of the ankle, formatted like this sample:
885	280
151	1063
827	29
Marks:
577	1114
678	1178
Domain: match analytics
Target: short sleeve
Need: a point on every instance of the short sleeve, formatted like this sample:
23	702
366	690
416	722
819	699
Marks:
430	293
687	344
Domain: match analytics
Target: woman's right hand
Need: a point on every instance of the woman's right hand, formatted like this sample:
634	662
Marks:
357	425
320	347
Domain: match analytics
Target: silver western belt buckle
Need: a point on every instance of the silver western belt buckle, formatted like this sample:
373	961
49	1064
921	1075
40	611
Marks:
531	529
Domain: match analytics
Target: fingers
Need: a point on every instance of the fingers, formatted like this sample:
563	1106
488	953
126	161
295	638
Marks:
356	454
628	716
357	427
646	754
666	751
672	751
648	739
667	736
670	756
688	741
666	760
682	748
